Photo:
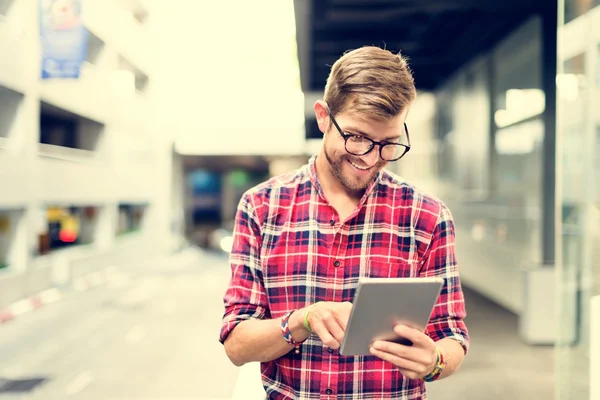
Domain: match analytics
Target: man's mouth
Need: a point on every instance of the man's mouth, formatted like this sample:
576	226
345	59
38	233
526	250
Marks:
360	167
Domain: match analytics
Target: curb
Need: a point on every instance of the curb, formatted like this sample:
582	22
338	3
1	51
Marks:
49	296
109	275
29	304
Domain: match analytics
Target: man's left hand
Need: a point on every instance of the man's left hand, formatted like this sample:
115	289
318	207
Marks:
416	361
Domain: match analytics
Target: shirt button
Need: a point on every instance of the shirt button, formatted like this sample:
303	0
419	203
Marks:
330	350
336	263
332	222
329	391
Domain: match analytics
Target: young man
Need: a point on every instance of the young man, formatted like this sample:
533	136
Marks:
303	240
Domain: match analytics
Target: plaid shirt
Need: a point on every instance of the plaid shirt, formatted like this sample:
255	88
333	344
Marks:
291	250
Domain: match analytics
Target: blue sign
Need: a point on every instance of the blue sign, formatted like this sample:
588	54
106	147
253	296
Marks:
63	37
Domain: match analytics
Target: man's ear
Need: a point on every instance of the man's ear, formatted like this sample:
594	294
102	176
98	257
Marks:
322	116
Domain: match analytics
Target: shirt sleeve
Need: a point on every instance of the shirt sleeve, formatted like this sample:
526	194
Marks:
245	296
447	318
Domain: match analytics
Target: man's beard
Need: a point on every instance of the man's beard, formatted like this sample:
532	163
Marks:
352	183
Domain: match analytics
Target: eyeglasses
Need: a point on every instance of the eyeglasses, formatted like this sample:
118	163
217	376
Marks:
359	145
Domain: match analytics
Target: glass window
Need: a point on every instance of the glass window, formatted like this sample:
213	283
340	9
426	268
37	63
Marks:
579	266
577	8
11	102
68	226
131	218
519	104
8	229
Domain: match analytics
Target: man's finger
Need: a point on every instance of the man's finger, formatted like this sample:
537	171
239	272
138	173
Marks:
409	368
321	330
417	337
342	317
335	328
410	353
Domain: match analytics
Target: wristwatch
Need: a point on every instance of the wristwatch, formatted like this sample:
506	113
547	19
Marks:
438	369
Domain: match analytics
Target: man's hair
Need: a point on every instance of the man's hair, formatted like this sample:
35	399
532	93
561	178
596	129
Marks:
371	82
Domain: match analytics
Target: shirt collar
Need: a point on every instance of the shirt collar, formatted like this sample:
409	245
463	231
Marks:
312	174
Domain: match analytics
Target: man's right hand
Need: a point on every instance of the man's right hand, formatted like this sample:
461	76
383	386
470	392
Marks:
328	320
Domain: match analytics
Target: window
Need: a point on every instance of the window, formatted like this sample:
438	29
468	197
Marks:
8	229
576	8
131	218
68	226
61	128
9	111
204	188
519	104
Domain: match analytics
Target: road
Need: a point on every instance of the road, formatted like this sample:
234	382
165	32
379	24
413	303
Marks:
150	332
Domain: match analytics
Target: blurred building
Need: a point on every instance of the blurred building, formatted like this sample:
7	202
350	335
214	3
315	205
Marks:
82	162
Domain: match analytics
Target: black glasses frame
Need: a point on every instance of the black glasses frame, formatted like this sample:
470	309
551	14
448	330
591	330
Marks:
374	143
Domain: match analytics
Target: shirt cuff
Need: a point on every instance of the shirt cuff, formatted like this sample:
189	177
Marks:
234	317
460	339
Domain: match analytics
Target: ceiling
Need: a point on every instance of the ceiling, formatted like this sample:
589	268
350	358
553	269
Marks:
438	36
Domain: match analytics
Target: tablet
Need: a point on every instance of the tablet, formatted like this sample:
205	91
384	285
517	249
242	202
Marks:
382	303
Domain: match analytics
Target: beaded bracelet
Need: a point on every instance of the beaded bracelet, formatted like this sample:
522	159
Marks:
285	331
439	367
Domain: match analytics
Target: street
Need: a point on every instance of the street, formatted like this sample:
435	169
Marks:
150	332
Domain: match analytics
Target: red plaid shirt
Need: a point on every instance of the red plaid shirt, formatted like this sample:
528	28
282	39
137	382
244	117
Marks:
291	250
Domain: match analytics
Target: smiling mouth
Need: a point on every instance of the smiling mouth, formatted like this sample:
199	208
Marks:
362	168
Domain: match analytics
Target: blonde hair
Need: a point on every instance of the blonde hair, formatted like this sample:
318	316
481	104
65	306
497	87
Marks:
371	82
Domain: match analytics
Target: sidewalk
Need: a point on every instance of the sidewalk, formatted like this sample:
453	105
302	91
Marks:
91	281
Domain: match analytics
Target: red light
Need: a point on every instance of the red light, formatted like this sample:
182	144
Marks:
67	236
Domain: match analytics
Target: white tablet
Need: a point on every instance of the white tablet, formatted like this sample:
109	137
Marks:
382	303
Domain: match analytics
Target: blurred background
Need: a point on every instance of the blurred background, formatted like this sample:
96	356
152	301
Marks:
129	130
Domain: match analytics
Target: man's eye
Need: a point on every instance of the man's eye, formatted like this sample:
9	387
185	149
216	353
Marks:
358	139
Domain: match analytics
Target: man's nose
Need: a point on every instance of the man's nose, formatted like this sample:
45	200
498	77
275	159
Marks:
372	157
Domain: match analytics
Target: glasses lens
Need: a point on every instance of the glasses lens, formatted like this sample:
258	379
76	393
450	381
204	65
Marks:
391	152
358	145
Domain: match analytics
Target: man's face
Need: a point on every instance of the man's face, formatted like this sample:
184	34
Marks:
356	172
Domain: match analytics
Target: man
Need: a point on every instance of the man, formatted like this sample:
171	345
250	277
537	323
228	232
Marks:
302	241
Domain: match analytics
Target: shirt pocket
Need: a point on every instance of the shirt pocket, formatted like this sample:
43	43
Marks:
392	269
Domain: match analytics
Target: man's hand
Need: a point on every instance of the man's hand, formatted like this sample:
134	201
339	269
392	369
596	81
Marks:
328	320
416	361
